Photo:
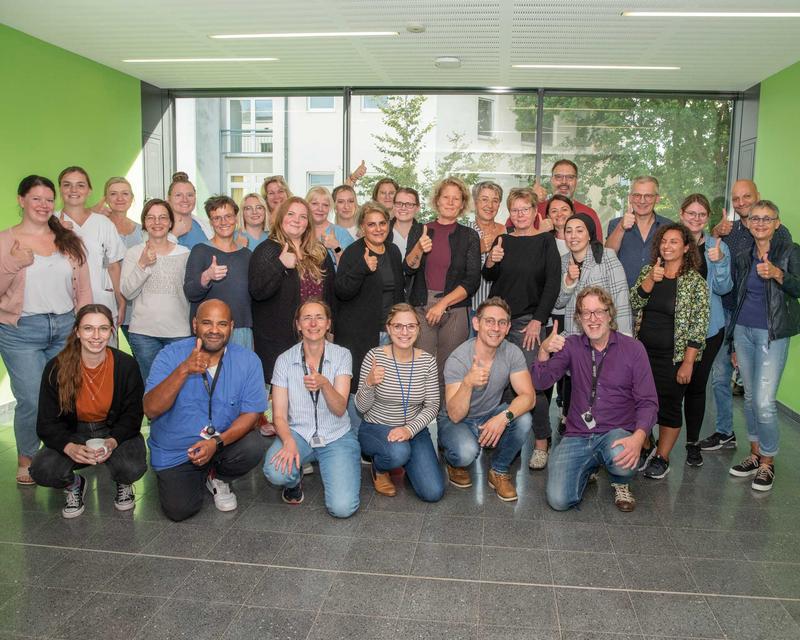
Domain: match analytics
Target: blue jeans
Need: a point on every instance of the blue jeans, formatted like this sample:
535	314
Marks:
575	458
721	374
417	456
460	439
25	350
761	363
339	467
243	337
146	348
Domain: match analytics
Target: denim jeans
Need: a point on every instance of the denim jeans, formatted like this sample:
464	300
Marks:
761	363
541	410
243	336
460	439
721	374
575	458
339	467
25	350
417	456
145	349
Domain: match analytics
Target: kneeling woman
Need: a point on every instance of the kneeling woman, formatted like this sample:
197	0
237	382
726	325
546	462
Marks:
399	396
310	387
90	413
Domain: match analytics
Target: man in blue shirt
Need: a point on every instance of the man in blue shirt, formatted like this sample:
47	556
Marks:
631	236
203	397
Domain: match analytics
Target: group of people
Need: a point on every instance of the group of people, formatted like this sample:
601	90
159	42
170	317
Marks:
347	340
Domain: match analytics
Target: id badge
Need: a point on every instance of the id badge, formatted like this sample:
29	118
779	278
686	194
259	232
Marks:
317	442
588	420
207	432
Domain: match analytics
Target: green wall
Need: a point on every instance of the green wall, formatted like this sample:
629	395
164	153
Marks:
59	109
777	170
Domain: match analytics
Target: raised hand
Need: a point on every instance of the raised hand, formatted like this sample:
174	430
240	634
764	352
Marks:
372	261
539	190
546	224
767	270
313	380
198	361
715	252
657	271
288	260
21	254
554	342
376	375
215	272
573	272
724	226
425	243
359	172
329	239
478	375
628	218
148	257
497	252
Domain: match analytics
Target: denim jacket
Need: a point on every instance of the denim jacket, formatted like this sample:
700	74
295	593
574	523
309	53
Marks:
719	283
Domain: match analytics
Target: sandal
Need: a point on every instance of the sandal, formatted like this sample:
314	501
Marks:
24	477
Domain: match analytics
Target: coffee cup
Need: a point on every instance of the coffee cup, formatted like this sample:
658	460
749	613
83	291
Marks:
98	445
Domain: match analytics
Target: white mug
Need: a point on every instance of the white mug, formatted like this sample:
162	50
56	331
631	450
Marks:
97	444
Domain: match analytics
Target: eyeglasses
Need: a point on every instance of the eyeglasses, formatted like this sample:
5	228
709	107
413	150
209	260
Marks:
89	330
760	220
696	215
647	197
228	217
317	318
398	327
258	207
519	211
156	218
599	314
492	322
564	177
405	205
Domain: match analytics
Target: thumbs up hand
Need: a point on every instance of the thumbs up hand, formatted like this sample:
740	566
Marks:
329	239
214	273
148	257
573	272
197	362
288	259
769	271
376	375
425	243
23	255
539	190
715	251
497	253
628	218
478	375
724	226
372	261
554	342
657	272
359	172
314	380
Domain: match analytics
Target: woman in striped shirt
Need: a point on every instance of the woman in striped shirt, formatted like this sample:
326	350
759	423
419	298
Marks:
399	396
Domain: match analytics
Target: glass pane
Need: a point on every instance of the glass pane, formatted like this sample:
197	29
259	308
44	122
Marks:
372	103
321	180
237	178
236	193
263	114
240	114
320	102
485	113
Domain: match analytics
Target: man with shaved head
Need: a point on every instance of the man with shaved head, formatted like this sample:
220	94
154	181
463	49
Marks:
203	396
736	234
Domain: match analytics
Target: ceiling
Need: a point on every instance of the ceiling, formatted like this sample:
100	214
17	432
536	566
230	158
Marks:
714	54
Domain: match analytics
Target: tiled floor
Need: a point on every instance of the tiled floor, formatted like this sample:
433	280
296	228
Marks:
702	556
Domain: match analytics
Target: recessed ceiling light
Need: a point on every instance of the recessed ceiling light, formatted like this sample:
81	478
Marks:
415	27
319	34
711	14
447	62
144	60
624	67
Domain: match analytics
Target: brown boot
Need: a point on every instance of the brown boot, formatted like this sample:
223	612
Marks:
383	483
501	483
459	477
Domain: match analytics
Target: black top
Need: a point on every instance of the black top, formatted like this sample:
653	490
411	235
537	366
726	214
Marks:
276	295
528	277
124	417
657	331
701	247
360	314
465	266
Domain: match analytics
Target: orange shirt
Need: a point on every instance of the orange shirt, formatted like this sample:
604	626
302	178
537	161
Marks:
93	400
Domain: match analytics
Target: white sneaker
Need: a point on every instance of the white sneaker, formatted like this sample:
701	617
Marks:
539	459
308	469
224	498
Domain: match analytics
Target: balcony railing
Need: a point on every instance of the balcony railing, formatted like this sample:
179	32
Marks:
246	141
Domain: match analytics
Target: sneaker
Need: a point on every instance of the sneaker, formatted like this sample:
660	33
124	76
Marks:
366	460
73	504
737	389
592	478
657	468
224	498
459	477
717	441
308	469
746	467
383	482
293	495
623	498
764	477
644	457
124	500
538	459
501	483
693	456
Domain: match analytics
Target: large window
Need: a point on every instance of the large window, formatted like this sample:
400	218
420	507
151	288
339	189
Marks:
485	117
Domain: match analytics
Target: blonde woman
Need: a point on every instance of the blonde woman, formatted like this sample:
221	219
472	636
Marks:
182	197
334	237
275	192
251	227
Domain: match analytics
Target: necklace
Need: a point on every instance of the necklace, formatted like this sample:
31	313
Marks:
92	380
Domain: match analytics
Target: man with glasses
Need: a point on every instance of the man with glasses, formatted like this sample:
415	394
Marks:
474	416
631	236
613	405
564	181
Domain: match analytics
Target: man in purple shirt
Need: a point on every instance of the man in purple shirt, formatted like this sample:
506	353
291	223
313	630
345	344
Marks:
613	406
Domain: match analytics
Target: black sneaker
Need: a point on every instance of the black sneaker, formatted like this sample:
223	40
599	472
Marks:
717	441
125	498
693	456
657	468
293	495
73	504
746	467
644	457
765	474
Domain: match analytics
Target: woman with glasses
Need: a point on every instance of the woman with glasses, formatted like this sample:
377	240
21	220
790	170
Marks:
406	208
219	270
487	196
399	398
384	191
715	267
525	269
152	279
670	298
251	227
334	237
767	285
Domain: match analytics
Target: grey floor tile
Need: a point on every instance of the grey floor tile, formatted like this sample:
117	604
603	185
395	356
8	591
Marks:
577	536
754	619
517	606
447	561
645	513
441	601
465	502
242	545
26	564
390	525
379	556
61	532
522	534
637	540
589	510
19	525
318	521
183	540
150	576
334	626
776	547
512	633
189	620
269	624
313	552
406	501
8	590
220	582
23	613
728	577
365	595
783	579
675	615
503	564
596	610
427	630
291	589
109	615
702	543
451	529
271	516
585	569
592	635
95	568
128	535
662	573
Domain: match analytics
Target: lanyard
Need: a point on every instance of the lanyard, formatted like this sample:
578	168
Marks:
596	369
210	389
314	394
405	398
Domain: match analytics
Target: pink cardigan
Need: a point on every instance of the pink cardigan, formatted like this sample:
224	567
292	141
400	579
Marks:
12	282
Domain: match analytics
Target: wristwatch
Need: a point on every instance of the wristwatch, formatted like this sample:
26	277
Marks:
509	417
220	443
337	250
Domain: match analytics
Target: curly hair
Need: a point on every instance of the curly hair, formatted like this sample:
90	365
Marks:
314	252
691	259
605	299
